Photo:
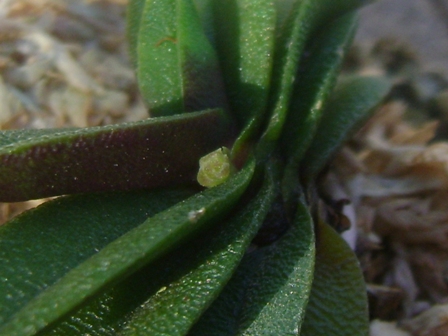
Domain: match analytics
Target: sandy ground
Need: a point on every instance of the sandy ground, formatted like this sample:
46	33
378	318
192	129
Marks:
422	24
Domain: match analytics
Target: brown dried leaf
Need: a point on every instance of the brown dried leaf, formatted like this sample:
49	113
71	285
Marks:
433	322
381	328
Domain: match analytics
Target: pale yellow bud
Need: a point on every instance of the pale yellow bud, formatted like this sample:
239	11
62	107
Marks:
215	168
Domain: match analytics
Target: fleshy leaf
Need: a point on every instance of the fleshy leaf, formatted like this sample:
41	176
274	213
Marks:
245	33
245	39
39	247
338	301
175	308
349	105
278	293
222	318
133	18
178	70
305	18
127	254
146	154
179	285
316	79
277	282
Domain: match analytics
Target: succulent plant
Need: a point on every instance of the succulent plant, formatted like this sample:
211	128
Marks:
140	248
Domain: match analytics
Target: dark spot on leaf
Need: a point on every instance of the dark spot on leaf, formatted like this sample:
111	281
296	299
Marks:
274	226
166	39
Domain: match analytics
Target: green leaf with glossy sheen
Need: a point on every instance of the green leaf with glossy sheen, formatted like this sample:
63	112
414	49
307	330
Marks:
174	309
127	254
243	34
338	301
245	39
42	245
316	78
178	70
270	294
222	318
146	154
278	293
306	17
196	270
349	105
205	12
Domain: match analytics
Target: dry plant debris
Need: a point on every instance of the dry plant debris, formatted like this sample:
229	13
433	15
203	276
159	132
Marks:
63	63
394	171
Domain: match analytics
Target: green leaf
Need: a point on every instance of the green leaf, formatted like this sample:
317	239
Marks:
127	254
338	301
205	12
146	154
350	104
316	78
306	17
278	293
178	69
40	246
179	285
269	294
221	318
133	18
200	279
245	38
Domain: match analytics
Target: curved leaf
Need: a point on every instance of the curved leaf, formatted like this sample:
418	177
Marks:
180	303
145	154
245	38
222	318
245	33
350	104
39	247
119	259
338	301
278	291
134	12
270	292
306	17
179	285
205	12
178	70
316	79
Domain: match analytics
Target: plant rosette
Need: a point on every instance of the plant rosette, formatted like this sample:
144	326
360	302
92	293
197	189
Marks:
245	99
